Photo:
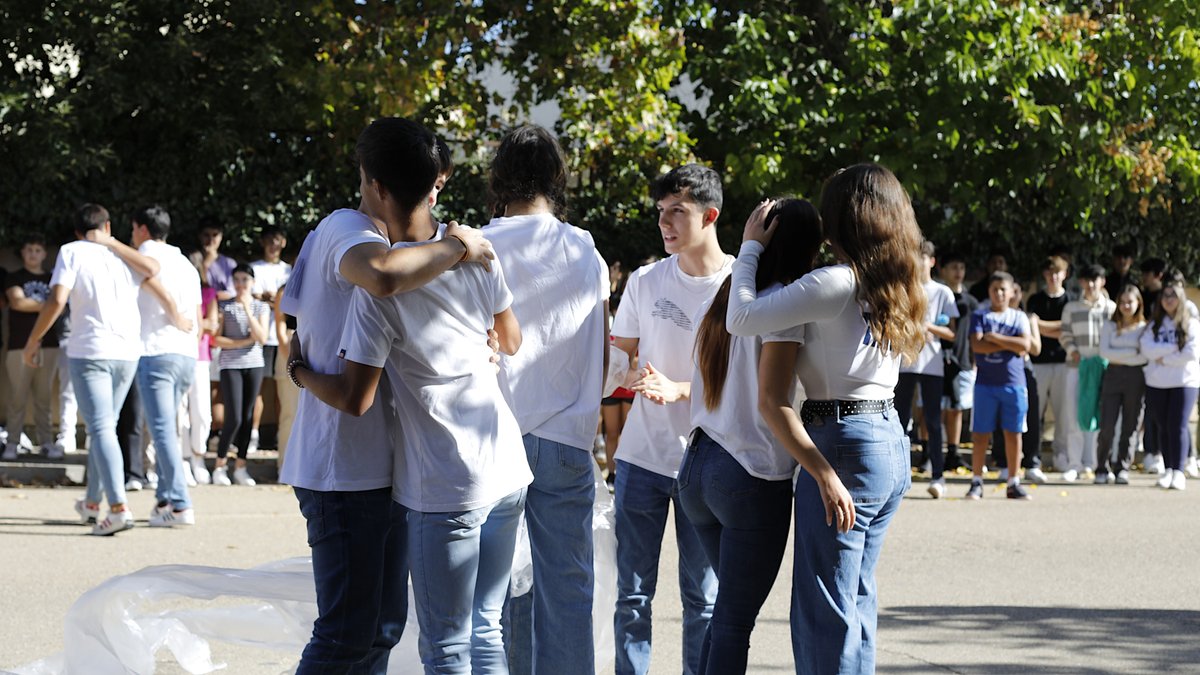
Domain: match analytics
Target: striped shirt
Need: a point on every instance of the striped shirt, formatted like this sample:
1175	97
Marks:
236	325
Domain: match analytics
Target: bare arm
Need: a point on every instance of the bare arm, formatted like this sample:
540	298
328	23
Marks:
51	310
256	323
383	271
776	368
142	264
1050	329
508	331
225	342
18	301
940	332
352	391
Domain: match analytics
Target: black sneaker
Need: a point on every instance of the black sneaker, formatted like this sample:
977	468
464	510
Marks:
975	492
1017	491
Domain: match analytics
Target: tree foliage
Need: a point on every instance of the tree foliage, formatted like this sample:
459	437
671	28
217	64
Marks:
1014	124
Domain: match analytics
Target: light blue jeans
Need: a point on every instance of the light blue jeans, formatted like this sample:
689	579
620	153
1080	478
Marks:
461	563
162	381
834	605
549	629
100	387
642	500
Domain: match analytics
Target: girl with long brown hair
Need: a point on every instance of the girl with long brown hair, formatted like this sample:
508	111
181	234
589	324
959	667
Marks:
860	318
1123	387
735	481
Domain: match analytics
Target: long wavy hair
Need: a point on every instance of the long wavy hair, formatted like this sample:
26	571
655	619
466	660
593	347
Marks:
788	256
1137	317
869	220
1180	317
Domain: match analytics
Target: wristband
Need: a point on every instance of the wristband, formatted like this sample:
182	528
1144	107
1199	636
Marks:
463	241
291	371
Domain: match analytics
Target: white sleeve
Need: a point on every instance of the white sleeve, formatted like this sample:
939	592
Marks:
64	271
818	295
502	298
1151	348
367	336
949	308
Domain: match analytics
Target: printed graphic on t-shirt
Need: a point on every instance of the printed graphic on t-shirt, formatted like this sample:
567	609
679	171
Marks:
36	290
665	309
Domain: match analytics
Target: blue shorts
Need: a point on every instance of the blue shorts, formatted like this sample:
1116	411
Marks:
1002	407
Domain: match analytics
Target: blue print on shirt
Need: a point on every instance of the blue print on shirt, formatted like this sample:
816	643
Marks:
1002	368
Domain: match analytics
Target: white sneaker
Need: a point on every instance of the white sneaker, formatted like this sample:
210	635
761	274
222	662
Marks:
1070	476
1153	463
252	446
200	471
151	480
10	453
1178	480
1191	468
133	485
66	444
25	444
220	476
242	477
1035	476
1164	481
936	489
187	474
88	515
114	523
165	516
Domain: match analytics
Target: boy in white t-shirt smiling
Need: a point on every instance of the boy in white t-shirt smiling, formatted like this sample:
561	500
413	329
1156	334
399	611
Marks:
654	324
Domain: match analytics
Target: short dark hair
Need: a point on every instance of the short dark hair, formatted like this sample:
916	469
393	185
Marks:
927	248
242	267
1001	276
952	257
1090	272
402	156
699	182
1156	266
33	238
1123	251
211	222
445	158
528	163
270	231
90	217
156	219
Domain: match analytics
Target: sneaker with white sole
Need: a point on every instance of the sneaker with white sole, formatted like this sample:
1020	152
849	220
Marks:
1192	469
220	476
1070	476
88	515
164	515
1017	491
187	474
1122	477
936	489
133	485
1153	463
1164	481
200	471
252	446
975	492
1103	478
116	521
1035	476
242	477
1178	480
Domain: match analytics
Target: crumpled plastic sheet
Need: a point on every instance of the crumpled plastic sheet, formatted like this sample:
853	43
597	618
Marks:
120	627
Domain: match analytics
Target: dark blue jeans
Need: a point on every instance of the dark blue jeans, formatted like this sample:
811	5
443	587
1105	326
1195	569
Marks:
360	566
931	410
742	522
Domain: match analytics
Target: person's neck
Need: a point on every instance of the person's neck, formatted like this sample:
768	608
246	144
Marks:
956	287
38	269
210	257
535	206
704	260
415	227
1091	299
271	258
1055	291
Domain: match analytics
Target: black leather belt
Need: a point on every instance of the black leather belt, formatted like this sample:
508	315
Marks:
814	409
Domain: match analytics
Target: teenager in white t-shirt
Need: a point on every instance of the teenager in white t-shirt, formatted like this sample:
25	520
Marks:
855	335
270	275
99	276
560	293
735	483
941	316
655	324
340	466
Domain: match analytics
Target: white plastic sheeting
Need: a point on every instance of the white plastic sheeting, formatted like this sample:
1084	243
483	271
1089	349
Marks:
121	626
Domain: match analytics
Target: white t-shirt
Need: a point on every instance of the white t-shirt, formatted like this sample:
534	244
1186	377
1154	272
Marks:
929	359
559	284
736	423
657	308
328	450
105	323
269	277
182	282
461	447
840	359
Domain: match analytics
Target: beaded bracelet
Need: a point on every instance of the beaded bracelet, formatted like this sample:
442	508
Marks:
291	371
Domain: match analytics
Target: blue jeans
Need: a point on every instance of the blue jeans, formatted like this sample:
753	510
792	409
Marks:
100	386
834	606
931	409
549	629
742	522
642	500
162	381
360	567
461	563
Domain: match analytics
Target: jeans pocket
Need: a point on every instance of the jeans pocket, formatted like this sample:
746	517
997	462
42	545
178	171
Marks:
574	461
866	469
470	519
684	477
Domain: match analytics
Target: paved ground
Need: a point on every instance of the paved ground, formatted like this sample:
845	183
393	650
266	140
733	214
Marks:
1084	579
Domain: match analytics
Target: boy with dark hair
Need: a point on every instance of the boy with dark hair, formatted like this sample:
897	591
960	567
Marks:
1050	366
999	338
941	316
270	275
27	290
1081	324
654	325
958	390
997	261
1122	269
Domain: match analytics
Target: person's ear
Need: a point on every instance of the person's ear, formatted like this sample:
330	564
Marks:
710	215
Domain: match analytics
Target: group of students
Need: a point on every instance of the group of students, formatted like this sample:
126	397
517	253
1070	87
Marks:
451	380
1113	368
